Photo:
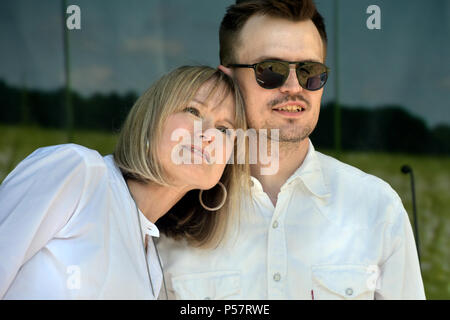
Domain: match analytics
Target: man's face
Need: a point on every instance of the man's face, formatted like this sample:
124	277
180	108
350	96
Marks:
262	38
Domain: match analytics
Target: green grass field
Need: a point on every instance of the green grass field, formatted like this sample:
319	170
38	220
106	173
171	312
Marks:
432	177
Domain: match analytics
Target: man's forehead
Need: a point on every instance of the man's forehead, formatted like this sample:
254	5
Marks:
277	38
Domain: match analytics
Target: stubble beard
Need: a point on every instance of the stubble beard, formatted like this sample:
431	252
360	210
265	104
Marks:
288	134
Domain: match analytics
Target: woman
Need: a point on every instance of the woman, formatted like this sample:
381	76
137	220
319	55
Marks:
75	225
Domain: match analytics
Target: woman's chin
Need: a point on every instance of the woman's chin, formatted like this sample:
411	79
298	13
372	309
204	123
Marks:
201	179
204	185
209	186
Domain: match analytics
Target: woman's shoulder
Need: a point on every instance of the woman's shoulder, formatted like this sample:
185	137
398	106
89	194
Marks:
59	161
68	151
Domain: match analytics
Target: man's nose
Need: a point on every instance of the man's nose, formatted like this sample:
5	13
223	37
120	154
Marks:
291	85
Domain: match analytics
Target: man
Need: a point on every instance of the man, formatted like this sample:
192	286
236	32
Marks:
319	229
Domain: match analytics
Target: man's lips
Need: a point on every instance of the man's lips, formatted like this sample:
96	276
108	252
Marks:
290	108
197	150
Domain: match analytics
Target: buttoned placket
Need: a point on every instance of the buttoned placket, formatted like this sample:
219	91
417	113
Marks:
277	248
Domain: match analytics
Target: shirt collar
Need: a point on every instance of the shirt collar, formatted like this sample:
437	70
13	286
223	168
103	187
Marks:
147	226
310	173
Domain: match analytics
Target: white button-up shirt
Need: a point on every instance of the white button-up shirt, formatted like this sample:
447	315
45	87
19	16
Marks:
335	233
69	229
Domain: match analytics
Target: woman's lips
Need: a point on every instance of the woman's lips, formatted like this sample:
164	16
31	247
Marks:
198	151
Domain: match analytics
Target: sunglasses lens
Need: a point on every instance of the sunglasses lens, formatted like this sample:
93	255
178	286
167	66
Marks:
271	74
312	76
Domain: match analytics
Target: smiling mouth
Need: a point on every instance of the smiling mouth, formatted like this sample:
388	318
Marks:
290	108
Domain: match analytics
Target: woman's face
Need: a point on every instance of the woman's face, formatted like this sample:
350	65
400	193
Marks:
195	144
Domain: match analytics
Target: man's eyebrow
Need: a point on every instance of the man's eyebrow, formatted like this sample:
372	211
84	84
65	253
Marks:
263	58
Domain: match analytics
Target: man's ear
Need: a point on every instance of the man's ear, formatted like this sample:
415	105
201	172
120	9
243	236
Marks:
227	71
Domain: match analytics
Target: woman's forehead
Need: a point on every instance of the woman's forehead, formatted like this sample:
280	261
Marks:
215	95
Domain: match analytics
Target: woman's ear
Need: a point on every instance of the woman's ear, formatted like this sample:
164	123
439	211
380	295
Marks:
227	71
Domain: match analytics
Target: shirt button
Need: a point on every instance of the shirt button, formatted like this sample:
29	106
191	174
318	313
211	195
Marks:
349	291
275	224
277	277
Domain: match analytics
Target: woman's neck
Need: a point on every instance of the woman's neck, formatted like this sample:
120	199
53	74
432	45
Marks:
155	200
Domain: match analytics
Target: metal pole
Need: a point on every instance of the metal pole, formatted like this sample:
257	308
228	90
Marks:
337	109
67	91
407	169
159	31
25	116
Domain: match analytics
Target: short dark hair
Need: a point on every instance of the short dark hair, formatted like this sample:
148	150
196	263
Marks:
238	14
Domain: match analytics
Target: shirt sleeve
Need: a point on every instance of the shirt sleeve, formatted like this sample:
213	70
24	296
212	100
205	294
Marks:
400	275
36	200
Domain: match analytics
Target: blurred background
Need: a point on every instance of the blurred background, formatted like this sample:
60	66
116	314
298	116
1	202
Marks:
386	103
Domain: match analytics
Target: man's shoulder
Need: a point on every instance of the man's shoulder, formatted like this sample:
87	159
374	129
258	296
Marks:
344	173
361	191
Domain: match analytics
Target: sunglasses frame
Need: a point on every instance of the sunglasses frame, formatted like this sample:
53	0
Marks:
297	63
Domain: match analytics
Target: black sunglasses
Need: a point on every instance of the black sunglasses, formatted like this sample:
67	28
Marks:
271	74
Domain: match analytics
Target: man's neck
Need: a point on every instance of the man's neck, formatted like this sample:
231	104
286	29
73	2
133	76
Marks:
291	156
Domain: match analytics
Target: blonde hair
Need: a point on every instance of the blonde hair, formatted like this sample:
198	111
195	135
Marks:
136	153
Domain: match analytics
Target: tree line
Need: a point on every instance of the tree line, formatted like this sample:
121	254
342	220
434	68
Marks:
104	112
389	128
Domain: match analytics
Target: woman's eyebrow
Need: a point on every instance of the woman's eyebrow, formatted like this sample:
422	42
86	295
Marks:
230	122
199	102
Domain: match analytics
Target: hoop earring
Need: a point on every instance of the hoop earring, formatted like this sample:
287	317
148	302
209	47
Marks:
221	203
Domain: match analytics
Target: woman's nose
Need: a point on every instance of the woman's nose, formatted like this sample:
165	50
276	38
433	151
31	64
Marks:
206	133
207	136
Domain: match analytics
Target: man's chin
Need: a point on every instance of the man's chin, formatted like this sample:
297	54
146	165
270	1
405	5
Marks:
290	137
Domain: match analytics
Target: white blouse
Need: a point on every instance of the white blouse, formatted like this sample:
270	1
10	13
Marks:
69	229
